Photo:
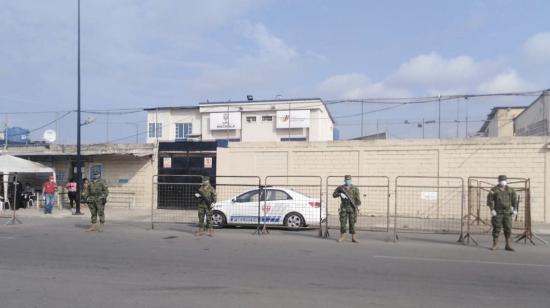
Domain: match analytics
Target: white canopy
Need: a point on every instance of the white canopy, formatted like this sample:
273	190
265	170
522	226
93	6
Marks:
12	164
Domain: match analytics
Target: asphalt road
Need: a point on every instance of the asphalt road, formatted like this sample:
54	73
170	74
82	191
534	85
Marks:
53	262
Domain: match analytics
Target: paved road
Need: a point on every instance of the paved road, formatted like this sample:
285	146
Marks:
52	262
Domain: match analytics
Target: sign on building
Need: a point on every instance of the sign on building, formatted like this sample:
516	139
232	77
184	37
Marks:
167	162
293	119
225	120
208	162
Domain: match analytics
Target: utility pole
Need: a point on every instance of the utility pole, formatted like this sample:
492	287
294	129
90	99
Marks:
78	125
107	128
6	133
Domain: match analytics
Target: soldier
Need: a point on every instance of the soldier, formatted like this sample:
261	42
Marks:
349	202
502	201
207	196
95	195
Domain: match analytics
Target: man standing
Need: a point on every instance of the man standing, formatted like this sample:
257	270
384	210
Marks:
95	195
503	202
349	202
207	196
48	189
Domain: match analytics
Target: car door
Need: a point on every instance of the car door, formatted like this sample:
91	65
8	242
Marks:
245	208
278	203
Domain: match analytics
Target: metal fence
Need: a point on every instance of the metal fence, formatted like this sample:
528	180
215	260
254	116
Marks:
374	212
173	199
429	205
478	217
294	202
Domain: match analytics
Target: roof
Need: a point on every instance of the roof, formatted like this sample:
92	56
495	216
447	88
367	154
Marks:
272	101
172	108
543	94
494	110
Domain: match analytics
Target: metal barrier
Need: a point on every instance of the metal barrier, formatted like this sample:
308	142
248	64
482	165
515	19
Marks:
173	199
294	202
374	212
478	217
9	200
238	201
429	205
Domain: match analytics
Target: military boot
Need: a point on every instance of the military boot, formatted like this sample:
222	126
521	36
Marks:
354	239
210	232
100	228
199	232
342	237
92	228
495	244
508	246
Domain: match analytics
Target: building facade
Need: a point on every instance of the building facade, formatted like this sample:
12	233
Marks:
500	122
533	121
246	121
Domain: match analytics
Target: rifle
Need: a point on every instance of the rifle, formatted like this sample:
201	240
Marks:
345	191
204	198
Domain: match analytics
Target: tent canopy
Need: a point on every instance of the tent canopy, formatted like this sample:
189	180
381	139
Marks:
12	164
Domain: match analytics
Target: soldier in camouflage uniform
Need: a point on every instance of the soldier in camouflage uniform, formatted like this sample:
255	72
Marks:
95	195
502	201
207	196
348	212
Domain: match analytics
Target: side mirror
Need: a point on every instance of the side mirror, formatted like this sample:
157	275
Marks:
234	200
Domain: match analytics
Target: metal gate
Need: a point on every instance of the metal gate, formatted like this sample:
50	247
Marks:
429	205
374	212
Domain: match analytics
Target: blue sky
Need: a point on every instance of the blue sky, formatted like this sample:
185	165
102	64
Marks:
138	53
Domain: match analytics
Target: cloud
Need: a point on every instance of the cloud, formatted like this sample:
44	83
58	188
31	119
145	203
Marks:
508	81
429	74
537	48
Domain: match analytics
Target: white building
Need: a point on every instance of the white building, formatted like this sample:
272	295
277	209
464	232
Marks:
500	122
533	121
249	121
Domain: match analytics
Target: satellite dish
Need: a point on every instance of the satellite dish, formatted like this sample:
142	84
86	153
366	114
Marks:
50	135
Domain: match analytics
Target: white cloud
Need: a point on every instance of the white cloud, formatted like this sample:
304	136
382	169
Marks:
429	74
508	81
537	48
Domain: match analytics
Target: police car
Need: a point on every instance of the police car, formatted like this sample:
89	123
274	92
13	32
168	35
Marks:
275	206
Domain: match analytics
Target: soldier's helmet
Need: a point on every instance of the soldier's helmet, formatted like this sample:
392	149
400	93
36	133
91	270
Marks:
205	179
347	177
502	178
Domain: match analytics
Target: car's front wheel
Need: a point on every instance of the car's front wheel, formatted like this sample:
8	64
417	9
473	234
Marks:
218	219
294	221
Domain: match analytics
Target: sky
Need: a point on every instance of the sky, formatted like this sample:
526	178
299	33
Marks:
145	53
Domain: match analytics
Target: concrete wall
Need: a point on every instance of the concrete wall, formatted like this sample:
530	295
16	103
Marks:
502	124
517	157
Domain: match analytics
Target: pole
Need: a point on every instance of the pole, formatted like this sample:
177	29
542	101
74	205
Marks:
289	109
6	134
107	128
423	127
78	125
137	133
457	117
439	116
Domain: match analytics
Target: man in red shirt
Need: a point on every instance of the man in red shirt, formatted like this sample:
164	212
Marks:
49	188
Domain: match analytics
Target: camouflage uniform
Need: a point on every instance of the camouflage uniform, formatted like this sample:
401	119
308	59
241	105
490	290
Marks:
95	195
503	200
347	212
204	208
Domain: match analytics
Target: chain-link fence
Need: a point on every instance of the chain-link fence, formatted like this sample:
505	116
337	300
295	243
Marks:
374	212
478	216
429	205
294	202
238	201
173	199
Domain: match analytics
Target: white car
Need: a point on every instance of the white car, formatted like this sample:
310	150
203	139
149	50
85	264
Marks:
276	206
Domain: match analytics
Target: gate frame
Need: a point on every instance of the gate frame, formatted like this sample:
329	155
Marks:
527	233
327	180
461	236
266	184
155	184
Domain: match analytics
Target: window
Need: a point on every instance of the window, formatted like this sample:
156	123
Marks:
294	139
183	130
250	196
251	119
267	118
152	130
274	195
